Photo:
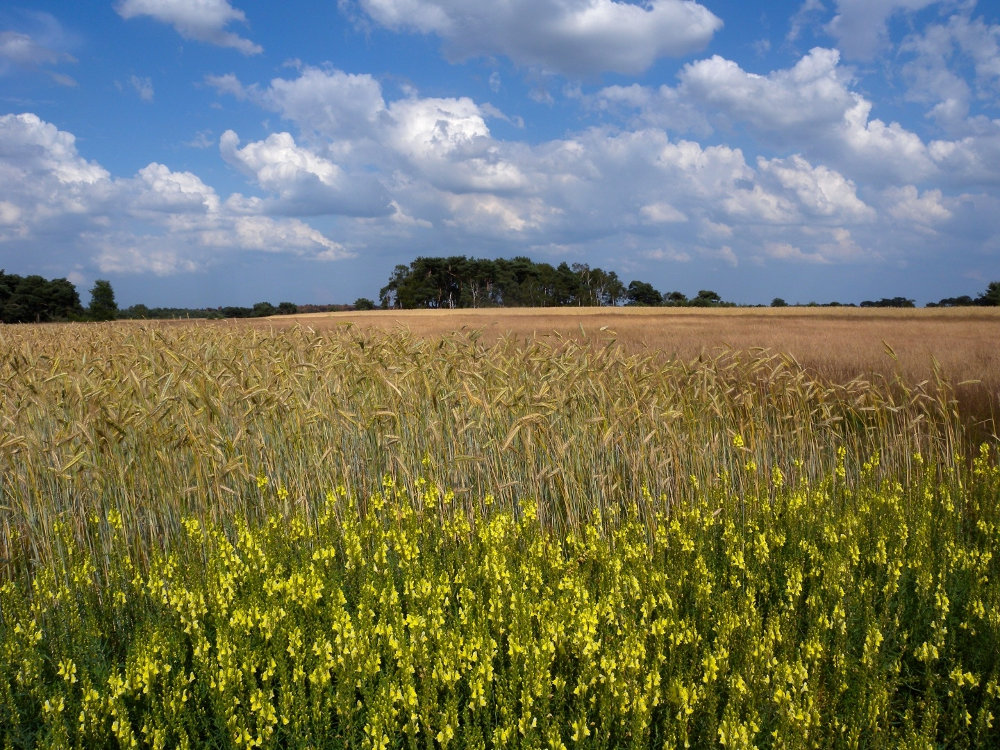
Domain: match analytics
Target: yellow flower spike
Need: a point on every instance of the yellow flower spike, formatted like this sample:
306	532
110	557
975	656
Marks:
67	670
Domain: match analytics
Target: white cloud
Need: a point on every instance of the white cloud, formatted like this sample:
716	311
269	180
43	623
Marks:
860	26
756	204
201	20
32	147
812	94
661	213
160	190
907	204
39	43
937	72
143	87
670	254
724	253
806	15
820	191
346	120
160	221
841	246
124	253
227	84
496	215
809	108
786	251
265	234
9	213
566	36
304	182
330	104
448	141
45	182
21	49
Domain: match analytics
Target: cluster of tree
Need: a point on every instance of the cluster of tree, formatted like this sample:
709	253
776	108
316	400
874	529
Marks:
259	310
461	282
889	302
989	298
458	281
451	282
34	299
644	294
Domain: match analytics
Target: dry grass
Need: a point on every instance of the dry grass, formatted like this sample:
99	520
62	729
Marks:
837	345
159	422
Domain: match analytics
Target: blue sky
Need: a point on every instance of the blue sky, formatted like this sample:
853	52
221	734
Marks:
224	152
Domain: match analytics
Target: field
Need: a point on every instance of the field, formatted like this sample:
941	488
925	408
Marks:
833	344
720	528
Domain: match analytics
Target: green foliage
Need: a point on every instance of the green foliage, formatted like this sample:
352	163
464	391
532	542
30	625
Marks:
991	297
460	282
363	303
33	299
102	301
809	615
707	298
889	302
263	309
643	294
637	552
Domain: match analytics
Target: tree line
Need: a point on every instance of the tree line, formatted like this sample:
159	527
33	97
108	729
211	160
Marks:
35	299
461	282
989	298
451	282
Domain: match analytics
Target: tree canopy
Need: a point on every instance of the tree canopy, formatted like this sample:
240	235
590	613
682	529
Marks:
34	299
458	281
102	301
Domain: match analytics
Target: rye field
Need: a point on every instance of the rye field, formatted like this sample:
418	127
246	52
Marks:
519	529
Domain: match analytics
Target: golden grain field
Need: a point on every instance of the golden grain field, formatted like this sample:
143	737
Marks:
388	531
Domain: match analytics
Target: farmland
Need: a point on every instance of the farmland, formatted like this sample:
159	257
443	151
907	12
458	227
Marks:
748	528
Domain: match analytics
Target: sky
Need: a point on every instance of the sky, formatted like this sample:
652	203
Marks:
201	153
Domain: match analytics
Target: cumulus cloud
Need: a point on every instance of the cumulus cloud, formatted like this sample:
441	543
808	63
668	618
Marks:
159	221
811	108
331	104
442	166
340	112
201	20
422	173
305	183
786	251
265	234
818	190
159	189
907	204
937	71
565	36
45	180
811	95
448	141
444	140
